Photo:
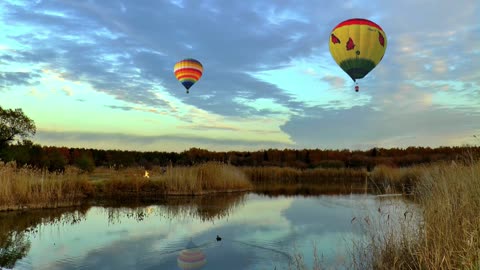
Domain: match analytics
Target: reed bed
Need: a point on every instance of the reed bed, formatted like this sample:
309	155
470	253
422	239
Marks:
27	187
386	179
274	190
201	179
287	175
444	234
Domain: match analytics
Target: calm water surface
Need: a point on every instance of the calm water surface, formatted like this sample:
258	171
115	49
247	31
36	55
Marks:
258	232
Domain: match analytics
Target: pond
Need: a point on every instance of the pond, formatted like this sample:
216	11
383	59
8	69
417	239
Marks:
256	231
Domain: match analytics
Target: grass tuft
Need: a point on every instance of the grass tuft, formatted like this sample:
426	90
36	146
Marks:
444	234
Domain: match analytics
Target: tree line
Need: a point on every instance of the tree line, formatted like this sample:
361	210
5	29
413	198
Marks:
15	124
56	158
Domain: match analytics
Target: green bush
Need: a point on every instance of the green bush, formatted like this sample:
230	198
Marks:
85	163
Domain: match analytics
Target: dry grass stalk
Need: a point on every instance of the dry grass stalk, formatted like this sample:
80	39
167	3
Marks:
444	235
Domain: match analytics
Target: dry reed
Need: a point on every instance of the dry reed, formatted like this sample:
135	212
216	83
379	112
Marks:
444	235
27	187
385	179
200	179
287	175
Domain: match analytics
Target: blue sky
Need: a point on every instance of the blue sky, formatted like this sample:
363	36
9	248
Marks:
100	74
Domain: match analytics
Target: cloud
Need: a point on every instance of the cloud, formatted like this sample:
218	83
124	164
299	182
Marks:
67	90
335	81
362	126
210	127
18	78
34	92
229	128
149	143
122	63
267	36
127	50
141	109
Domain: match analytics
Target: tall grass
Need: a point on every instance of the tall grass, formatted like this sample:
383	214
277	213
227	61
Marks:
385	179
27	187
292	181
286	175
444	235
201	179
308	189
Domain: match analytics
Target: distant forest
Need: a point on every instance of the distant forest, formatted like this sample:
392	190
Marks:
56	158
15	124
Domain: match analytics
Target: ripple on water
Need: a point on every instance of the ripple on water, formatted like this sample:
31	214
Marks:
262	234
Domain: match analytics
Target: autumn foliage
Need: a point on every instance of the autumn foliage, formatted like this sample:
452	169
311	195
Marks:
56	158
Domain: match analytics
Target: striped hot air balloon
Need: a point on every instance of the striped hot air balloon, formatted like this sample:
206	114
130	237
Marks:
357	45
192	257
188	72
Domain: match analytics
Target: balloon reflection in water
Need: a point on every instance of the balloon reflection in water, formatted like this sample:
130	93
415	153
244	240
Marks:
192	257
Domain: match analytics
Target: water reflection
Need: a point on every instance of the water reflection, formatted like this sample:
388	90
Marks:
256	231
14	246
192	257
17	227
309	189
204	208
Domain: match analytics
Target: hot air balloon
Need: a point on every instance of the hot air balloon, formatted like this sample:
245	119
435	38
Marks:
357	45
188	72
192	257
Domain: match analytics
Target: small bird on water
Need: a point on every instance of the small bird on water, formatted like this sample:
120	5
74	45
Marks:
146	175
219	238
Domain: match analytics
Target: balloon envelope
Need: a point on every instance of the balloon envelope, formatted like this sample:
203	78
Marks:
357	45
188	71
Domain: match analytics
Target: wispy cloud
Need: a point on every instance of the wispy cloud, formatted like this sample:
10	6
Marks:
365	126
174	142
262	60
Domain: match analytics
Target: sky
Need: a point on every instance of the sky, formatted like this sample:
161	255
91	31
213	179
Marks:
99	74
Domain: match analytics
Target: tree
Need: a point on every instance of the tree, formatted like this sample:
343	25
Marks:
85	162
15	123
13	248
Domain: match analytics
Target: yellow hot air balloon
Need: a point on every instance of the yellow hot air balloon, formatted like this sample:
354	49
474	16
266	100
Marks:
188	72
357	45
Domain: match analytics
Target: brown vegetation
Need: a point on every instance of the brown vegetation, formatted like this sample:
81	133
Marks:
444	234
291	181
27	187
285	175
201	179
57	158
385	179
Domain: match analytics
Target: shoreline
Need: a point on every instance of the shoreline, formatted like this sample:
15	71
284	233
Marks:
155	198
128	197
26	188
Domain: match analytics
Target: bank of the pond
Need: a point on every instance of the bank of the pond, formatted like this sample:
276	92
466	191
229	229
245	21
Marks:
26	187
22	188
444	235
